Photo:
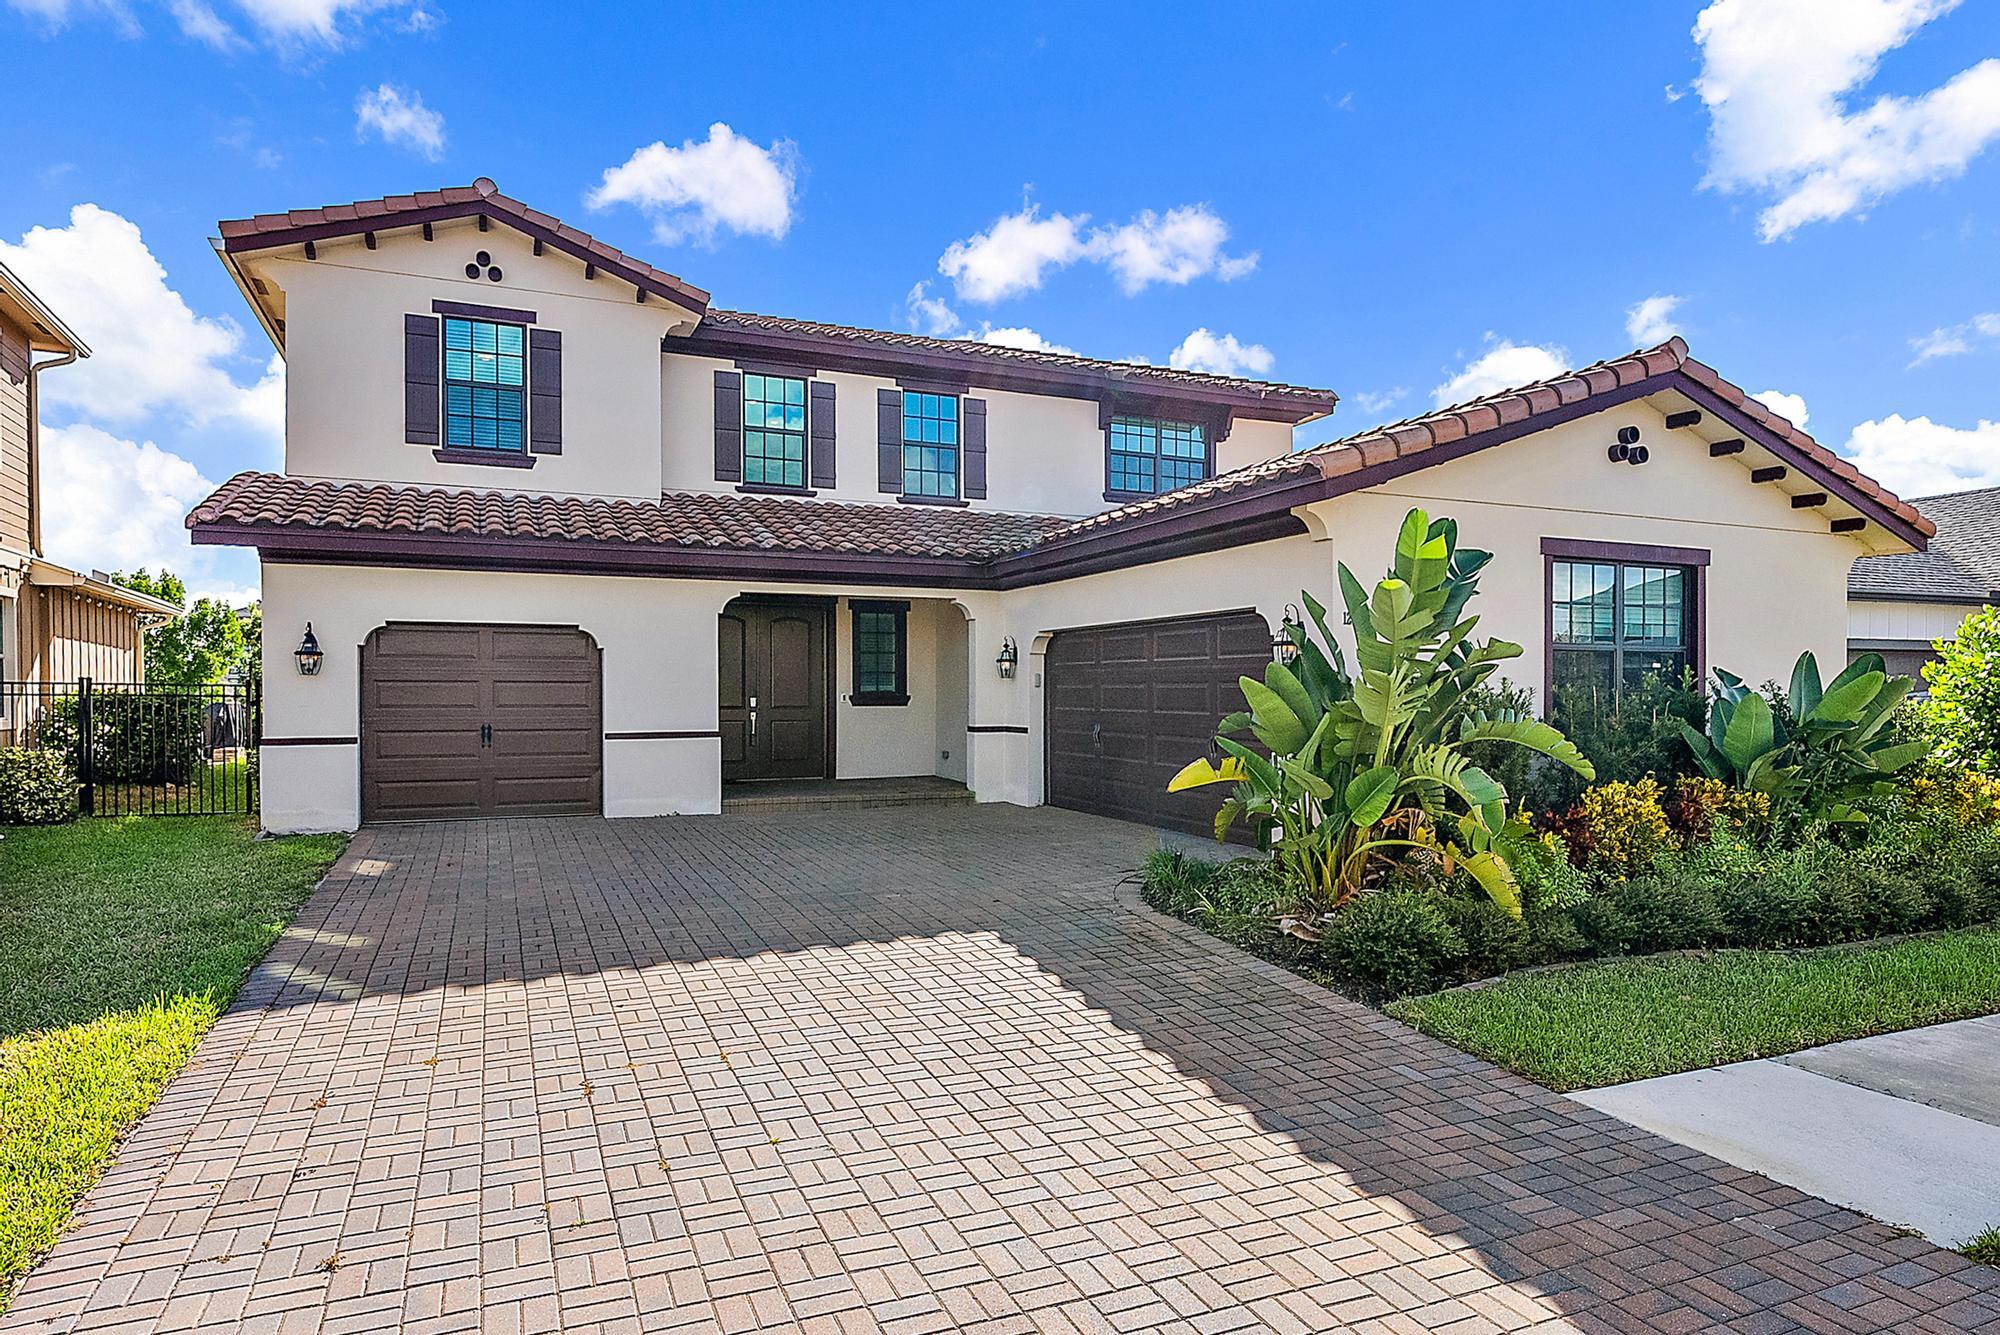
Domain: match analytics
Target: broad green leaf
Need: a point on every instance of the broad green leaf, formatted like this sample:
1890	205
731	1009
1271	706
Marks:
1321	790
1750	733
1889	759
1369	794
1201	773
1711	761
1226	817
1276	726
1531	733
1806	691
1845	701
1260	773
1411	539
1289	689
1496	878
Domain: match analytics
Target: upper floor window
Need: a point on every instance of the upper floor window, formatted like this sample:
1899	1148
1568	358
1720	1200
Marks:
485	385
1612	624
930	444
774	430
1149	456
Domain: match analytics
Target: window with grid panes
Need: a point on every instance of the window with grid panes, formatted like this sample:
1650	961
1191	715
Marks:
485	385
1149	456
881	648
930	444
1613	623
774	430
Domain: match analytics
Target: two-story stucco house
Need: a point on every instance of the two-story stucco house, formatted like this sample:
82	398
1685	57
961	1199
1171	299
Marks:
56	624
572	540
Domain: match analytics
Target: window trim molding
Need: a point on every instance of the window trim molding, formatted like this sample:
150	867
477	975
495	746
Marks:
899	608
470	311
1692	559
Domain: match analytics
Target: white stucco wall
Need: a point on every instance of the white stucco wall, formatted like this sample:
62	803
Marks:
1777	578
1044	453
344	360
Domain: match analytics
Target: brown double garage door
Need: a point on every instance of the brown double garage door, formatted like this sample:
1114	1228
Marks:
465	721
1129	705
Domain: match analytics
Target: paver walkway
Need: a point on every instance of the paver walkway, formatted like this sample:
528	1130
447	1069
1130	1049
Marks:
906	1070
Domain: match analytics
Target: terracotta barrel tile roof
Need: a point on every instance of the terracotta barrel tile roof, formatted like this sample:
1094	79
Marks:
677	519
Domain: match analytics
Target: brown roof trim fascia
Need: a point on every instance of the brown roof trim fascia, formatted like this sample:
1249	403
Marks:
490	206
309	546
975	370
1641	553
1744	424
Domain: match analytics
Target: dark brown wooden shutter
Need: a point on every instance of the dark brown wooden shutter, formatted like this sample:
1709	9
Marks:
728	426
889	441
544	391
421	405
822	435
974	412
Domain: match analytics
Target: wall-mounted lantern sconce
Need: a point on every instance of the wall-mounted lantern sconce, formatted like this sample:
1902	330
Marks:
1628	450
1009	659
308	655
1283	650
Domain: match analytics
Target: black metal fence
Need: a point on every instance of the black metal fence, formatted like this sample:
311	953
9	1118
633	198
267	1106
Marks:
143	749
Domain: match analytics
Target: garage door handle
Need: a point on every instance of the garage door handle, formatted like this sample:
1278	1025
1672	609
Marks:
486	734
1097	737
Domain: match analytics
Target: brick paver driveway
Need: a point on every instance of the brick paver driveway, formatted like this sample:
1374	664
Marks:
907	1070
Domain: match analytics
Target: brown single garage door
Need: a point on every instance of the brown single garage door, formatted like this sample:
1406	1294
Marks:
461	721
1129	705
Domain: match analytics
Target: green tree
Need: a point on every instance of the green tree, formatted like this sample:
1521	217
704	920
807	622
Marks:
205	643
1963	713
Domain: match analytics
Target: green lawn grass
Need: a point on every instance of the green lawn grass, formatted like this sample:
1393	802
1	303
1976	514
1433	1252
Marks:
1589	1025
120	942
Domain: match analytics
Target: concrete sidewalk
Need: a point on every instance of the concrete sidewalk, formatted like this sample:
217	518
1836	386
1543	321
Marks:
1905	1127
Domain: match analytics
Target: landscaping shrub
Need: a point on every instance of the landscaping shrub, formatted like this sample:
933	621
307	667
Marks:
1553	935
1771	910
1957	898
1495	940
1548	878
135	738
1627	825
1394	942
1635	734
1667	913
1603	926
34	788
1962	717
1174	881
1891	902
1701	805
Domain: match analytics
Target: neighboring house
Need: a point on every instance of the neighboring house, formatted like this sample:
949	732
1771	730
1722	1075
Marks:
56	624
1900	605
574	541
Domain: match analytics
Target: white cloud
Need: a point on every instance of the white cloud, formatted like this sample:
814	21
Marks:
1009	257
1918	457
397	118
722	183
1018	336
115	504
149	351
283	23
930	315
1377	401
1791	407
1956	340
1777	77
1179	247
1220	354
1504	365
1652	320
1015	254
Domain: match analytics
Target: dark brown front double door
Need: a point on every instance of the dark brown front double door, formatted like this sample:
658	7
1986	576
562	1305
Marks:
773	661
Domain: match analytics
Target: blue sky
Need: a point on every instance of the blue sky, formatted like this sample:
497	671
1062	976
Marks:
1396	202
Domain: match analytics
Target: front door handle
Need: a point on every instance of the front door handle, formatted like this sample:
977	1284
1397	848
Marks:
486	734
753	718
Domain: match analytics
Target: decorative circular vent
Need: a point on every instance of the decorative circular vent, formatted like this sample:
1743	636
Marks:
483	262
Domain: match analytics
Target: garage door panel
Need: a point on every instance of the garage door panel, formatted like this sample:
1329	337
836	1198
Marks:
427	693
1152	693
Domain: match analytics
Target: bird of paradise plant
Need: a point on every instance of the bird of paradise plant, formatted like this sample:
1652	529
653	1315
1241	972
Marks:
1360	769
